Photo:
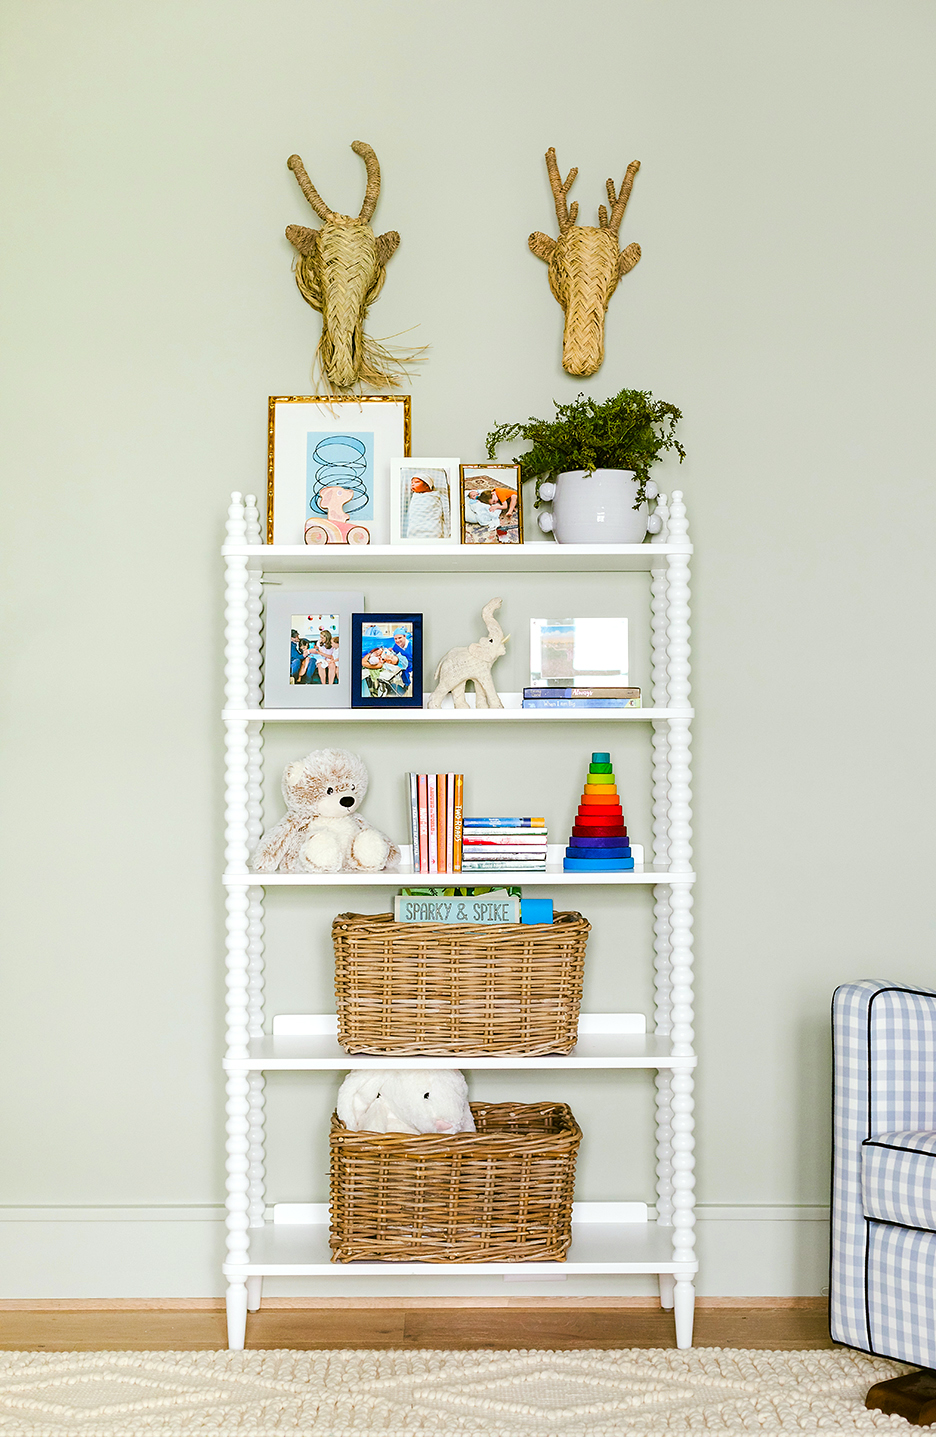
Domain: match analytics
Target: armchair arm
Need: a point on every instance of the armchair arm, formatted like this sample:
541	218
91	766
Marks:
884	1076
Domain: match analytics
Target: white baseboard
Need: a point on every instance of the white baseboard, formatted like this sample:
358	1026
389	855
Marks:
175	1251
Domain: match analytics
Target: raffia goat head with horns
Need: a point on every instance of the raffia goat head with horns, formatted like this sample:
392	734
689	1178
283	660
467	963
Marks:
585	265
340	271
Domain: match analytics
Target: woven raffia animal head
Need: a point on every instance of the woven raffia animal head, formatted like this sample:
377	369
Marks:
585	265
340	272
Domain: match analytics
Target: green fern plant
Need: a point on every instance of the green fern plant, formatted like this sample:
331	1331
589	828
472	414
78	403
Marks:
631	430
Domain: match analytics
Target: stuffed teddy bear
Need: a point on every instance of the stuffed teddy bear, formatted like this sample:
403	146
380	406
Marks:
405	1100
322	832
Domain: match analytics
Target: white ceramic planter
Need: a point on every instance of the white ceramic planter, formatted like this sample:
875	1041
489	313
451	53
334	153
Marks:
597	508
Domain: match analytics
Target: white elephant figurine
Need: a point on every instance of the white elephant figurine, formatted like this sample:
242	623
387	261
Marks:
472	663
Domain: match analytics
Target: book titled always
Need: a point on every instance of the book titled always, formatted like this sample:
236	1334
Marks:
609	692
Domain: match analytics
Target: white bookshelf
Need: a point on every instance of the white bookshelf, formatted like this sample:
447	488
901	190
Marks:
291	1240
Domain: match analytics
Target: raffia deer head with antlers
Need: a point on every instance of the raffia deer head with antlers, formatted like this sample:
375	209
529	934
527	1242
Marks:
340	271
585	265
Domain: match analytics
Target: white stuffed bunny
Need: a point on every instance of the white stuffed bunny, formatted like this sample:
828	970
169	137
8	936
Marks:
405	1100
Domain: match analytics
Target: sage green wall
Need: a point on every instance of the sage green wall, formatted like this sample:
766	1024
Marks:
784	300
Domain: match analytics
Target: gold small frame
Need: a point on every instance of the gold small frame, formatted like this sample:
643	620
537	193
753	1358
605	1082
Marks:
394	443
471	530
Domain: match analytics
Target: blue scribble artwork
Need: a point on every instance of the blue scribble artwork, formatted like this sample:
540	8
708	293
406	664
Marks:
339	486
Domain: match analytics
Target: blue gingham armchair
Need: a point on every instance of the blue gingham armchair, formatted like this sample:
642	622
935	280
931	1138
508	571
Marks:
883	1285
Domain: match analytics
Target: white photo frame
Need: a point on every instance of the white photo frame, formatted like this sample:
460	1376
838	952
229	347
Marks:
429	515
578	651
296	615
314	439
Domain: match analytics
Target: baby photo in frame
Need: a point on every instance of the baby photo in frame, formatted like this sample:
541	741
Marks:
307	649
386	661
424	501
328	467
491	504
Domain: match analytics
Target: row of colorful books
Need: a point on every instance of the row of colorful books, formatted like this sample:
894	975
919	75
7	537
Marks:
436	809
512	845
609	697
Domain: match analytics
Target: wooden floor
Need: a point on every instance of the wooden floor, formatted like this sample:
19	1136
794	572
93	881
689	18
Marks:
542	1324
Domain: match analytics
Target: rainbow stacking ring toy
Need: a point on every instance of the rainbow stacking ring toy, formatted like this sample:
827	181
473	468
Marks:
599	842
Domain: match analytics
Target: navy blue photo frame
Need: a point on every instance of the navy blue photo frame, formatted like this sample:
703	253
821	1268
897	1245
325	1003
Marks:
386	661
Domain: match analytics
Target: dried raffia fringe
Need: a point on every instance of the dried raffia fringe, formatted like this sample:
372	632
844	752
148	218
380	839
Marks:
500	1194
340	270
585	265
442	988
380	366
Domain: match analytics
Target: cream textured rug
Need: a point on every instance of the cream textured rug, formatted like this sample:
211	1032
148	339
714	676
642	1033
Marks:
540	1394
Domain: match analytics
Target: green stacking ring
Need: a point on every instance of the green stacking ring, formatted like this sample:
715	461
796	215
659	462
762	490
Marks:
600	768
600	778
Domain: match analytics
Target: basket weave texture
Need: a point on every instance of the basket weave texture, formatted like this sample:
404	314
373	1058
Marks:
458	990
501	1194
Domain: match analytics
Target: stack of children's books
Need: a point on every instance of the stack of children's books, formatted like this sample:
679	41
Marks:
607	697
436	806
504	844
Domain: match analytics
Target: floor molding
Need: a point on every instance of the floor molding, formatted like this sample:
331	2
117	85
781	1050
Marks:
396	1304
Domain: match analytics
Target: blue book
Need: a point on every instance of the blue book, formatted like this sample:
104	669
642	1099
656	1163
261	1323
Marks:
504	823
597	865
581	704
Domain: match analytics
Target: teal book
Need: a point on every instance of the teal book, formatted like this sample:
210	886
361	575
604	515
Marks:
485	909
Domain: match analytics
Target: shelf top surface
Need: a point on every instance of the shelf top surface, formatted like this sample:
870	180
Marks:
285	1250
453	715
457	558
552	875
593	1050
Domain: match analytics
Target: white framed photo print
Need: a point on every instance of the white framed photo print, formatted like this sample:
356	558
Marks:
328	467
307	648
424	501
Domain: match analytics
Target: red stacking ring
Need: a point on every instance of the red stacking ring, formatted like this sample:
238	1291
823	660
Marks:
591	831
606	815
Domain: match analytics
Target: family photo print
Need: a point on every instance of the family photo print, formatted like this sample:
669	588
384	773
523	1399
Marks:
491	504
307	655
424	501
386	661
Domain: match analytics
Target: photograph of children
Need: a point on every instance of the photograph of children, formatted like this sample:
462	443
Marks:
387	660
491	505
313	648
304	631
422	497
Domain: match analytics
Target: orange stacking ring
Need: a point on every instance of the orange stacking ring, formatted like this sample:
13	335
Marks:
599	796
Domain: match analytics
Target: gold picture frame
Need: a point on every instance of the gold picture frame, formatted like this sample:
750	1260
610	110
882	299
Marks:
298	425
492	520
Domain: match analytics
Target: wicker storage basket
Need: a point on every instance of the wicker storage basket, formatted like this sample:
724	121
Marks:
458	990
502	1194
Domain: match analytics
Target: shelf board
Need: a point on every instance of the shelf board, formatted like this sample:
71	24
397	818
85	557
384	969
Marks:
455	558
505	715
301	1250
404	878
603	1043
